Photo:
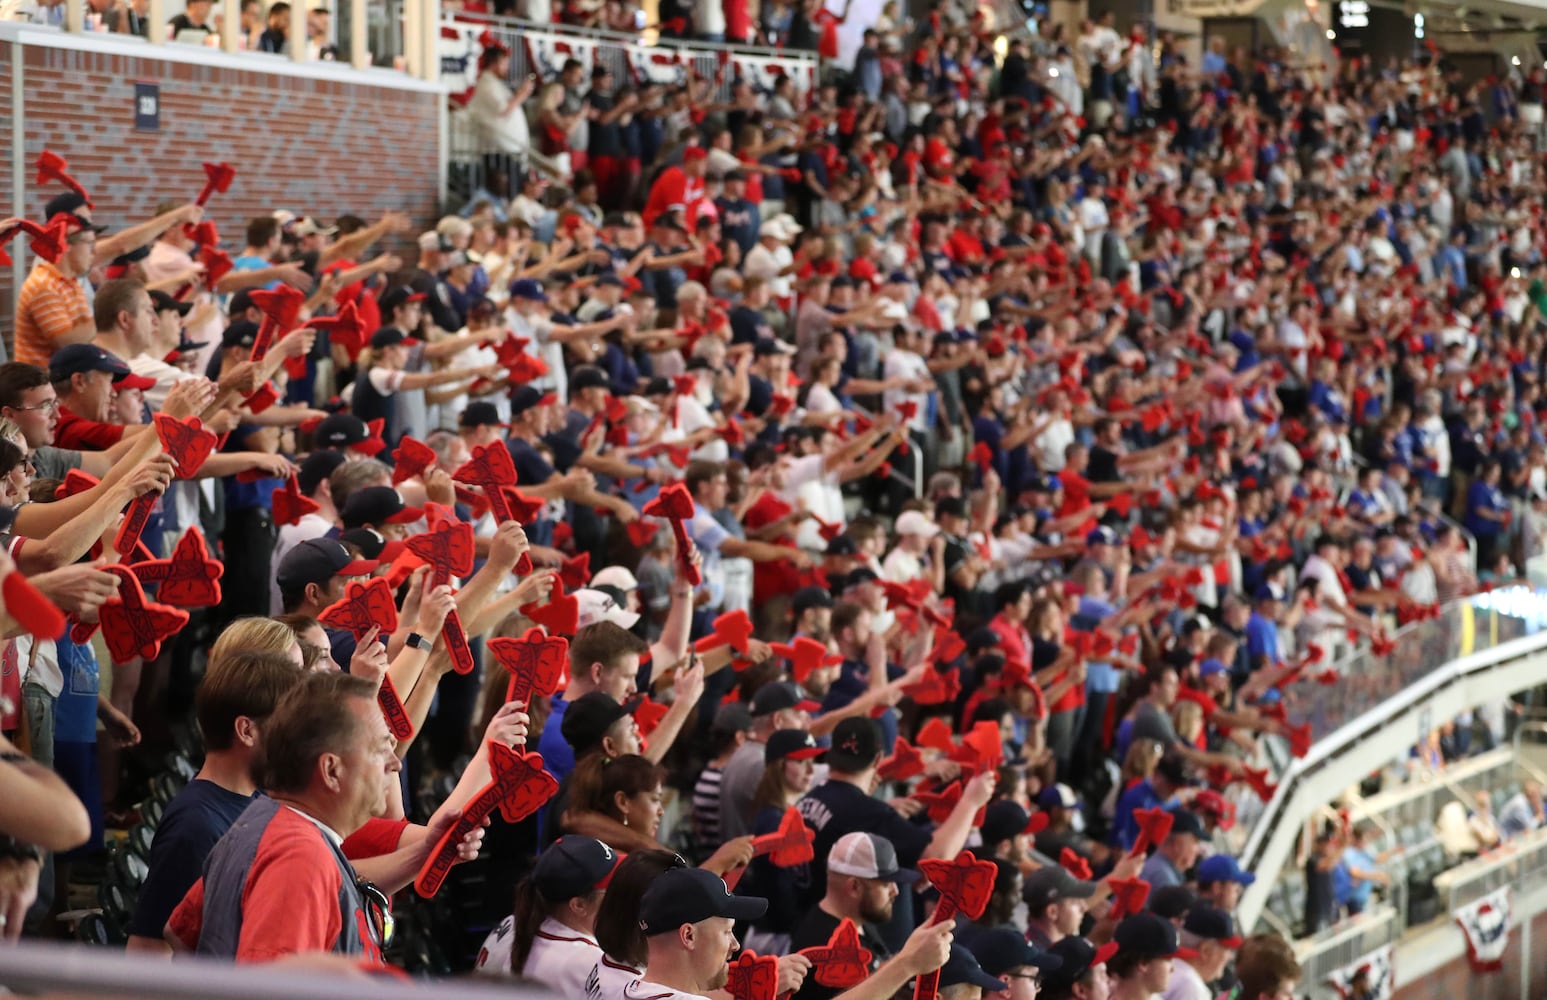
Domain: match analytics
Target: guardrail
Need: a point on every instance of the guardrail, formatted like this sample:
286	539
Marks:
1480	648
1341	946
61	969
1521	863
543	49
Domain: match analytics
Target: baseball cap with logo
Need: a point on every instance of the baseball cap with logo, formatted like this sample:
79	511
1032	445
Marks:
598	606
791	744
525	397
689	896
867	855
856	745
1002	950
372	545
345	430
392	298
574	866
1059	796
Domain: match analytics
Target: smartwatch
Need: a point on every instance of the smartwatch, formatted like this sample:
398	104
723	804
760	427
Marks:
417	641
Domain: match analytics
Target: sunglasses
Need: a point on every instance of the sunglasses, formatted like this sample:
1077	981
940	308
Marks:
379	908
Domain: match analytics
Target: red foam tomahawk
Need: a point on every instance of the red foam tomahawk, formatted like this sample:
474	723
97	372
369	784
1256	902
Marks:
344	330
518	788
47	241
733	629
1128	896
904	763
560	616
676	505
1154	827
752	977
366	606
412	458
448	550
805	655
217	178
491	469
53	167
190	578
281	311
189	444
133	625
290	504
937	687
788	846
535	663
1074	864
843	963
965	885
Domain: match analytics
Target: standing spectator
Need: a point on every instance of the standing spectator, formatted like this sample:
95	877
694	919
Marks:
1142	966
1524	812
1055	905
53	310
1359	871
863	880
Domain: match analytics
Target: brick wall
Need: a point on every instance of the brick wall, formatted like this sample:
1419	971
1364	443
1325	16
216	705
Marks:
313	146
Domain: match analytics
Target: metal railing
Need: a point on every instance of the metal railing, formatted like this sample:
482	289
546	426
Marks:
58	969
1520	863
1340	946
1373	691
543	49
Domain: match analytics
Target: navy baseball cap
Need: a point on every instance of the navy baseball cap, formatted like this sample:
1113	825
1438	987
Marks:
316	467
242	333
1004	949
81	358
391	336
692	895
1077	957
574	866
378	505
1146	934
318	560
392	298
1101	535
525	397
963	968
166	303
480	414
528	288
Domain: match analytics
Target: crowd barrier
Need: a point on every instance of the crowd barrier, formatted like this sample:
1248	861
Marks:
1479	649
542	50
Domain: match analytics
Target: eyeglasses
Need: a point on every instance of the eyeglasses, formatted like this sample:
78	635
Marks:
48	406
379	908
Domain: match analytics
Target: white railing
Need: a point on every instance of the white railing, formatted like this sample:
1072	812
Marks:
1337	948
1481	649
543	49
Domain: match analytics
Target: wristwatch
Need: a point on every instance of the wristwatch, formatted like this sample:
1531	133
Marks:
417	641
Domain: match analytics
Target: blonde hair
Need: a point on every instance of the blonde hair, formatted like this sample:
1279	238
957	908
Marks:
1139	763
551	97
254	635
1188	718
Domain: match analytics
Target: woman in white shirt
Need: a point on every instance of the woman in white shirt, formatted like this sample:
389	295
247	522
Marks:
549	938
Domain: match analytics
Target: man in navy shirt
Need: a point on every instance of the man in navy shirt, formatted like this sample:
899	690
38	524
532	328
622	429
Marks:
237	693
740	219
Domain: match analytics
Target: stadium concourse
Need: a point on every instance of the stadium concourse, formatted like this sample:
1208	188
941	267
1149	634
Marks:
889	526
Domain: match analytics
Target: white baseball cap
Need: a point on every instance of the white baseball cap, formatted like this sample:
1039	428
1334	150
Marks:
867	855
598	606
913	522
615	576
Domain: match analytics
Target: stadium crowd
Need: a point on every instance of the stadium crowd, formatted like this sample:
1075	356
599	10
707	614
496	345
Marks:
961	455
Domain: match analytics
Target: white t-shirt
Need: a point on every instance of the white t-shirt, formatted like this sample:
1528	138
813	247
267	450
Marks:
901	566
1186	984
906	364
40	666
821	400
535	330
561	957
509	132
1051	444
693	415
808	480
764	263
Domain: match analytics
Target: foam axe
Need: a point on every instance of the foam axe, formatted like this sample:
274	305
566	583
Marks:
491	469
366	606
448	550
190	445
965	885
519	787
676	505
190	578
53	167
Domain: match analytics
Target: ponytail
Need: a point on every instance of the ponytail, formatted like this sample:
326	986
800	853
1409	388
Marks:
528	913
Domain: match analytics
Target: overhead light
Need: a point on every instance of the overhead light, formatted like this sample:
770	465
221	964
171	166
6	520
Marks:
1331	35
1514	60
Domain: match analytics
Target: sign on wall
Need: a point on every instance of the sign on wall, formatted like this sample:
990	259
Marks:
147	107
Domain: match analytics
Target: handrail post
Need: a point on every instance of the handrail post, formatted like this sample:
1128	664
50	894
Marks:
231	34
298	32
359	52
74	15
429	61
156	18
413	26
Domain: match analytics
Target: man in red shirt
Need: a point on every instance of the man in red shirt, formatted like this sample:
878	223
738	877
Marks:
678	188
86	378
278	883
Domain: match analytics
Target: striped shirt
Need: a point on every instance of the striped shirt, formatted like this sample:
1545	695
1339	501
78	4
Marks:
706	808
51	304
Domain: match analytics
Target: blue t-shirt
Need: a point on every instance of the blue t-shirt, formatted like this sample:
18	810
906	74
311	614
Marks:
75	710
558	755
251	262
1261	639
1482	497
1125	829
1349	889
1100	678
194	822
